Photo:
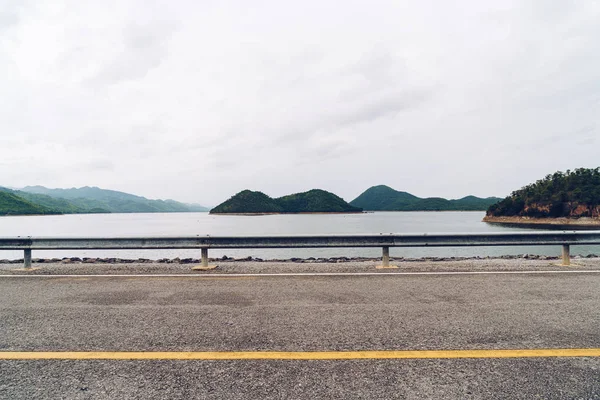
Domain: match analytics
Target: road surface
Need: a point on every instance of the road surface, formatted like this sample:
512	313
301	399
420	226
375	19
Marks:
190	320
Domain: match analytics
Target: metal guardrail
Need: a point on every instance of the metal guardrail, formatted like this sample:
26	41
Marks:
385	241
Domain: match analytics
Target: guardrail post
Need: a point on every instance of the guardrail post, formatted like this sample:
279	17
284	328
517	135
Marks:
27	258
204	251
204	262
385	259
566	255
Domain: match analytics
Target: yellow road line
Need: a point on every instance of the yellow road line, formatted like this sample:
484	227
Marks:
295	355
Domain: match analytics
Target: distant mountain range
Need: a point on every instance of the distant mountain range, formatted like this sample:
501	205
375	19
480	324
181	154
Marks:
384	198
313	201
33	200
41	200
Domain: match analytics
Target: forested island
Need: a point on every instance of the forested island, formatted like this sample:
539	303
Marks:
563	198
384	198
313	201
38	200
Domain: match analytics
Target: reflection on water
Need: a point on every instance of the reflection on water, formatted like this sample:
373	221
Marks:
191	224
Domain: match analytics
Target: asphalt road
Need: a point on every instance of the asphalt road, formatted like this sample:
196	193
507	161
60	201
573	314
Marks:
301	313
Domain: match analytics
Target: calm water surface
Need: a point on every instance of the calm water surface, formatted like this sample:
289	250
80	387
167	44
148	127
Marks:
183	224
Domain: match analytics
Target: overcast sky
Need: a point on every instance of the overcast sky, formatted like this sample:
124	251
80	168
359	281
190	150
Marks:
197	100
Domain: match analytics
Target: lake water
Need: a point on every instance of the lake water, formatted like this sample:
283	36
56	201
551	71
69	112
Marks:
191	224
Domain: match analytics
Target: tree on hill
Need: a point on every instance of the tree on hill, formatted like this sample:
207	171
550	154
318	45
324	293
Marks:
11	204
315	200
248	201
562	194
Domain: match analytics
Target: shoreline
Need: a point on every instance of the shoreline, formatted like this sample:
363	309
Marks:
348	212
293	260
291	213
522	263
582	223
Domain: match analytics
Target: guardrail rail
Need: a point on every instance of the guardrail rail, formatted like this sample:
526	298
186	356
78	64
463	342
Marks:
385	241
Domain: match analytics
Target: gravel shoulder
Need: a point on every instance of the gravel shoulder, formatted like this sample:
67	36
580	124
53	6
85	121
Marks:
302	266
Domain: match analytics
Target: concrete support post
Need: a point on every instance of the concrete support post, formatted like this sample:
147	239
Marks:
385	260
27	258
566	255
204	257
204	262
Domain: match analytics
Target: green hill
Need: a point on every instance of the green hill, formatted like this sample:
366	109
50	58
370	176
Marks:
248	201
384	198
94	198
572	194
62	206
316	201
11	204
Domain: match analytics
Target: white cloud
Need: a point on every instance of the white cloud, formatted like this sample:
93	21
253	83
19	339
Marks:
198	100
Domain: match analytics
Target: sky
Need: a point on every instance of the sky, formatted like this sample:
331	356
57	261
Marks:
198	100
